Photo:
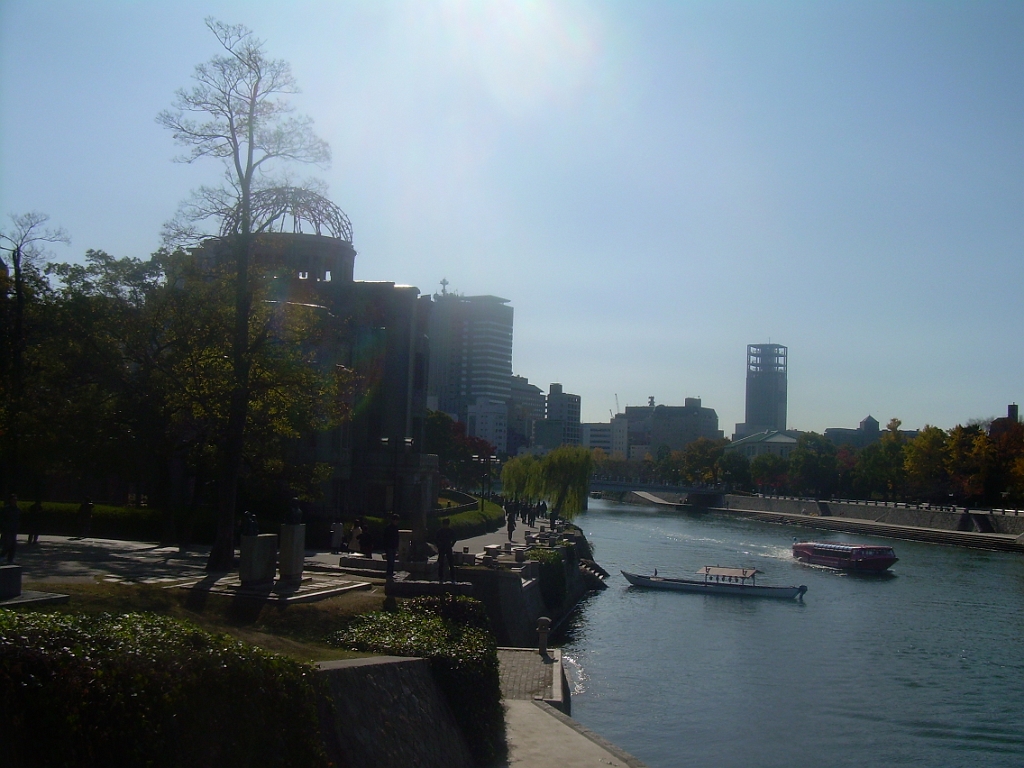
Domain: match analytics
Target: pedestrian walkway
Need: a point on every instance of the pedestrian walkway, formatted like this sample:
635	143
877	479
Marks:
539	731
525	674
539	736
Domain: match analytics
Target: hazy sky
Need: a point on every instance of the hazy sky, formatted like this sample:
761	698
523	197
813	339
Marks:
653	185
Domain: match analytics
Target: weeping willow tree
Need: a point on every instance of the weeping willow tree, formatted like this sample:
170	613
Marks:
566	476
522	479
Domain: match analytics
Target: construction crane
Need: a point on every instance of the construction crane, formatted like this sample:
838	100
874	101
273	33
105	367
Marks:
617	409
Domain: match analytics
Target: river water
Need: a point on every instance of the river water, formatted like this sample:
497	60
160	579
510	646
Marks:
921	668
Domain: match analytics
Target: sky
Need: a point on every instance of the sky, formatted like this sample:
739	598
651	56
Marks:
653	185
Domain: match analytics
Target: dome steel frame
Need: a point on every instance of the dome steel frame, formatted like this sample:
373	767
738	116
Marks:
273	208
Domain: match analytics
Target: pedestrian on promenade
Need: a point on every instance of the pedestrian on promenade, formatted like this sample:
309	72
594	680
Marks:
366	542
9	528
391	539
352	542
445	541
510	524
34	521
85	510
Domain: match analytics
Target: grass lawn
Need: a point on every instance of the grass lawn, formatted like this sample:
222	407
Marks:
296	630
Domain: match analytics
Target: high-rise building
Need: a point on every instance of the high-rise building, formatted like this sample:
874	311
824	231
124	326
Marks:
525	408
564	409
470	352
488	419
767	370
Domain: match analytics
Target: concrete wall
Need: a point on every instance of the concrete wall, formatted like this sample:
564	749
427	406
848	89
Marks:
386	712
923	517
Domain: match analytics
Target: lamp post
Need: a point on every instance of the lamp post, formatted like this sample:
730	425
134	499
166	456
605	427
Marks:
395	445
485	475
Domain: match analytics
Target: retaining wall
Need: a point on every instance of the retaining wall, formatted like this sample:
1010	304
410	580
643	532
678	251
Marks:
385	712
893	514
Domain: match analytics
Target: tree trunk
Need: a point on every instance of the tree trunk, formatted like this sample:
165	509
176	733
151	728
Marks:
222	556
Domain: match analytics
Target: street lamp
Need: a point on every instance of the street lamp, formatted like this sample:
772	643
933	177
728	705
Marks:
385	443
485	474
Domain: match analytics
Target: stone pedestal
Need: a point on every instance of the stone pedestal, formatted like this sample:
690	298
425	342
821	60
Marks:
10	581
293	552
259	560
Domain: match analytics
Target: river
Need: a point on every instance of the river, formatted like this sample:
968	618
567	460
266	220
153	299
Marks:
921	668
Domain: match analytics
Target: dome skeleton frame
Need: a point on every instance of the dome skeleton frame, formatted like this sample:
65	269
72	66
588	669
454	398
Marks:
273	208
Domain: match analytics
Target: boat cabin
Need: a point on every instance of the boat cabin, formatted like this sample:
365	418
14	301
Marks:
717	575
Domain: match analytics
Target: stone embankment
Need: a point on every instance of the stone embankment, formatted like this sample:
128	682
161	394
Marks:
982	529
386	711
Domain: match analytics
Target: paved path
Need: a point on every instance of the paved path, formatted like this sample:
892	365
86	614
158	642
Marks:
525	674
539	736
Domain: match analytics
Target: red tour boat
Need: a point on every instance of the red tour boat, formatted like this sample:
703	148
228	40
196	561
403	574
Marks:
846	557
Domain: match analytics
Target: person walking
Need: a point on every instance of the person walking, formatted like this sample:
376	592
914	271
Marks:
85	518
9	528
510	524
445	541
392	536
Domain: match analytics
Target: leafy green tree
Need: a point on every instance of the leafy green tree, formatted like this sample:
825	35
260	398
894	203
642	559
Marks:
846	463
237	112
522	478
926	461
812	465
734	469
768	471
700	460
880	466
20	286
566	471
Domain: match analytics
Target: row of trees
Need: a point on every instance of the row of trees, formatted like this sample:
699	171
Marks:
144	367
562	477
968	465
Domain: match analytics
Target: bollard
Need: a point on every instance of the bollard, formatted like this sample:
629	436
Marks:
543	627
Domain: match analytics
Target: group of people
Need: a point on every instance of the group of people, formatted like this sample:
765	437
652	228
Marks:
525	512
10	522
358	538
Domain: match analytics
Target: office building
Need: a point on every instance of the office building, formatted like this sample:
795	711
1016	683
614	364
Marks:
488	420
597	435
470	352
526	404
651	427
564	408
766	403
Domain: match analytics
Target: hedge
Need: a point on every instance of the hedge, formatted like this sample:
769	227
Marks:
453	633
144	690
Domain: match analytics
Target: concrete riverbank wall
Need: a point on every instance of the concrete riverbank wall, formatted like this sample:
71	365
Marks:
385	712
982	529
960	519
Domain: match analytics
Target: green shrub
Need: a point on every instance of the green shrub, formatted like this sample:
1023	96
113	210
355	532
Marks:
451	632
455	608
143	690
552	575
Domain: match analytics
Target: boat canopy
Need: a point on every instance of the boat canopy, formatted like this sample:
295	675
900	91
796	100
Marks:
737	573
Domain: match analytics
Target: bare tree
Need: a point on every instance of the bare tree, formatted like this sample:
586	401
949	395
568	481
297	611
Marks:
237	111
23	243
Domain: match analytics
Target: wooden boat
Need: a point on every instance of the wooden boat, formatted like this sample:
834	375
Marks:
847	557
717	581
